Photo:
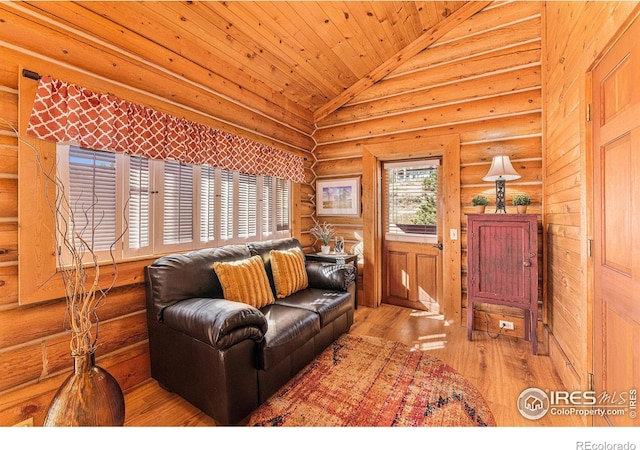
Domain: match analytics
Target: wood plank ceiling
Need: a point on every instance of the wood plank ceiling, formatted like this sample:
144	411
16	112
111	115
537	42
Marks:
269	56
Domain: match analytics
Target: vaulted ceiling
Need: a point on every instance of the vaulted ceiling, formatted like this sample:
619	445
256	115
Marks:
305	56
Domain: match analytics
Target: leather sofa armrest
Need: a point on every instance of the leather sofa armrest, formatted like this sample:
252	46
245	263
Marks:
218	322
335	277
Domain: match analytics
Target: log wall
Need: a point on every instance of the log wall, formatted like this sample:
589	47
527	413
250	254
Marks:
482	80
34	348
576	33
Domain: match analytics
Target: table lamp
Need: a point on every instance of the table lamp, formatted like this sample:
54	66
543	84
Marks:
501	170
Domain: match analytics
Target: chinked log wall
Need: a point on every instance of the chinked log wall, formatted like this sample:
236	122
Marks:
34	350
482	81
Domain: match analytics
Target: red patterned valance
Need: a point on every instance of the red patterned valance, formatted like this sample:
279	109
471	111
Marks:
64	112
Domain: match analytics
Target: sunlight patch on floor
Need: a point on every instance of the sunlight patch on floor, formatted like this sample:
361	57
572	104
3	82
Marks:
430	342
426	314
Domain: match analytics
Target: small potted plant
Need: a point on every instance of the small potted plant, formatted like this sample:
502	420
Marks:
479	202
521	201
323	232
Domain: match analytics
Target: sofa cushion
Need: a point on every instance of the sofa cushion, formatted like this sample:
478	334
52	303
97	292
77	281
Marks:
173	278
288	329
245	281
263	249
218	322
289	272
327	304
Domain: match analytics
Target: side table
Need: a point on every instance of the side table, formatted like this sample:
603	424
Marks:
337	258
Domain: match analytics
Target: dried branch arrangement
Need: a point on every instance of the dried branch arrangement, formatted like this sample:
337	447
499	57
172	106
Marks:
80	270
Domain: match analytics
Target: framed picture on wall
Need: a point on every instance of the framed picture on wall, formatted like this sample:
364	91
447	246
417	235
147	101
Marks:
338	197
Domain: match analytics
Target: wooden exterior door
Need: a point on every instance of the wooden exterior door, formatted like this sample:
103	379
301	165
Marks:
616	218
412	264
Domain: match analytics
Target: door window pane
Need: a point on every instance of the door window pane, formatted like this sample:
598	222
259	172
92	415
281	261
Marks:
412	197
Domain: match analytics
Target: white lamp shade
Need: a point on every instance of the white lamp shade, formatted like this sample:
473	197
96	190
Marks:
501	169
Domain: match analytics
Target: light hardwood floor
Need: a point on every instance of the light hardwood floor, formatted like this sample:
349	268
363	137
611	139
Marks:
500	368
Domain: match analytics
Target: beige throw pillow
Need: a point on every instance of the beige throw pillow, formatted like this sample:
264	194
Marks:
289	271
245	281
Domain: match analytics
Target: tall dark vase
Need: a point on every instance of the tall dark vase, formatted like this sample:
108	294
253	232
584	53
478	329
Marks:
90	396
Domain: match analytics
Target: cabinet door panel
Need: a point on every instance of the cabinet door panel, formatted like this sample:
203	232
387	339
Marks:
502	254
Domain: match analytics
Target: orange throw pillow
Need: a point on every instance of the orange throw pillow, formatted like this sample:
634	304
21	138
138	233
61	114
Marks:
245	281
289	271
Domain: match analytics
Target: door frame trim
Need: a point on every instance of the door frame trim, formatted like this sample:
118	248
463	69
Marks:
447	147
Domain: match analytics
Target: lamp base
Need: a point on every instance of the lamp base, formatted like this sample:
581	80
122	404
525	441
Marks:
500	196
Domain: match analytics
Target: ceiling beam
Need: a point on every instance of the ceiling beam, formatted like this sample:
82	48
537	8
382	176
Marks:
427	39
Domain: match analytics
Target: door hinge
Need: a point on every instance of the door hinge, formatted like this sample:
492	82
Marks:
590	248
590	381
588	112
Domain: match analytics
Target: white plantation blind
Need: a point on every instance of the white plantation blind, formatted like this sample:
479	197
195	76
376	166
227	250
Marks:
282	204
92	189
139	177
178	203
207	204
167	206
268	206
227	204
247	205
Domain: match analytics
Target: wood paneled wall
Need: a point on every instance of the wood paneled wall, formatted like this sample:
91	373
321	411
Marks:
576	34
482	80
34	349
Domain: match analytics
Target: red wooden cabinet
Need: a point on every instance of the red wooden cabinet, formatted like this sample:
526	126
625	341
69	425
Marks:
502	260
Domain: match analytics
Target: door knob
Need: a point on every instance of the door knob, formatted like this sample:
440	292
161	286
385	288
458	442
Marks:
439	246
527	263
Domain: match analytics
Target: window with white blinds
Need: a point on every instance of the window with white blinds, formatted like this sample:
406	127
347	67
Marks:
227	204
411	197
139	180
178	203
247	206
207	204
268	206
282	196
92	197
166	206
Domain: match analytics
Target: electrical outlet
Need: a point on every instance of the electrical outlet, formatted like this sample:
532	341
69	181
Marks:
506	325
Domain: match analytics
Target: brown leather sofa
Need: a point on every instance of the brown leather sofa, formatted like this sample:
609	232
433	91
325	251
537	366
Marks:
226	357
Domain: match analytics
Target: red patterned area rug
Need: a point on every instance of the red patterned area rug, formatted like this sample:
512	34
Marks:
365	381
